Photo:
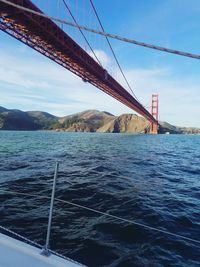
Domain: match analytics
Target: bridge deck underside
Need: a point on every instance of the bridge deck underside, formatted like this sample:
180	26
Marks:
43	35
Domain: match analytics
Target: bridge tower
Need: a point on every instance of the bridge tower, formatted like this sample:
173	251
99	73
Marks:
154	112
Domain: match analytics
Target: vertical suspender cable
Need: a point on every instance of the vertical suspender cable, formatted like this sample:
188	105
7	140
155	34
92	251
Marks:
67	7
114	55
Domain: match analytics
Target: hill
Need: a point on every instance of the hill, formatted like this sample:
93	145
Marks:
86	121
166	127
13	119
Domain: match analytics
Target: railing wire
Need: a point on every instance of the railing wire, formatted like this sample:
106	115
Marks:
109	215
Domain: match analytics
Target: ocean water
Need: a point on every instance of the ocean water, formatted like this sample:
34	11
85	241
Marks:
153	180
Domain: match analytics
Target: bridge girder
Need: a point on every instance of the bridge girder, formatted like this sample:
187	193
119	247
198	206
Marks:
43	35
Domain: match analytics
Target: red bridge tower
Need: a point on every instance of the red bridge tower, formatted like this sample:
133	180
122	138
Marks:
154	112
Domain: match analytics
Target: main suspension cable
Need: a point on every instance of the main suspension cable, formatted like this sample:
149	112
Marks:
70	12
113	36
109	44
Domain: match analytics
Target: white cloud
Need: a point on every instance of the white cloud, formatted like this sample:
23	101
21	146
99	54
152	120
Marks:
105	60
37	83
29	82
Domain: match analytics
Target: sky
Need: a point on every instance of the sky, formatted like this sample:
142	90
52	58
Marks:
29	81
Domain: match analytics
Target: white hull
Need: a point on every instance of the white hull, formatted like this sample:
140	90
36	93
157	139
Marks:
14	253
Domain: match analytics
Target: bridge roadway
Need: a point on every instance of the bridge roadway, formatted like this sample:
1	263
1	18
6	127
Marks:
43	35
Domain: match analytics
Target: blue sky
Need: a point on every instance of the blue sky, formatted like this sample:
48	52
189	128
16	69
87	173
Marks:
29	81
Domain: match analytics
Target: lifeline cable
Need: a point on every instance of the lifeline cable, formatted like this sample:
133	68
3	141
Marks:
108	215
113	36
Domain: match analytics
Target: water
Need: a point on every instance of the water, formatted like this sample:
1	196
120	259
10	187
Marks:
153	180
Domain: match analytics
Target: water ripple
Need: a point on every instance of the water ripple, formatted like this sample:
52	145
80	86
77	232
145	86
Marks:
151	179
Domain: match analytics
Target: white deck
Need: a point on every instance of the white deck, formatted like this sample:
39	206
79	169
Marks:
14	253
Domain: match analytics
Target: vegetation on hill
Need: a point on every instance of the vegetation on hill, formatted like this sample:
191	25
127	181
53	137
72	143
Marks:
87	121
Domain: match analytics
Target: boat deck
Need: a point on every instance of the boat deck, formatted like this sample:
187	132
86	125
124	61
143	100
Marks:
19	254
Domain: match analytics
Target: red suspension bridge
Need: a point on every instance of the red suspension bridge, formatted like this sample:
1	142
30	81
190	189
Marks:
45	36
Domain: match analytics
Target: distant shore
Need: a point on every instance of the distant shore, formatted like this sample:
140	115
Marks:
86	121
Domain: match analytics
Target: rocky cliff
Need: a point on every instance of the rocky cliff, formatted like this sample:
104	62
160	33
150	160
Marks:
126	123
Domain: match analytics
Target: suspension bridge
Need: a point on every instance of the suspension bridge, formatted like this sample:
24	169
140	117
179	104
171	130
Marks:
25	21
